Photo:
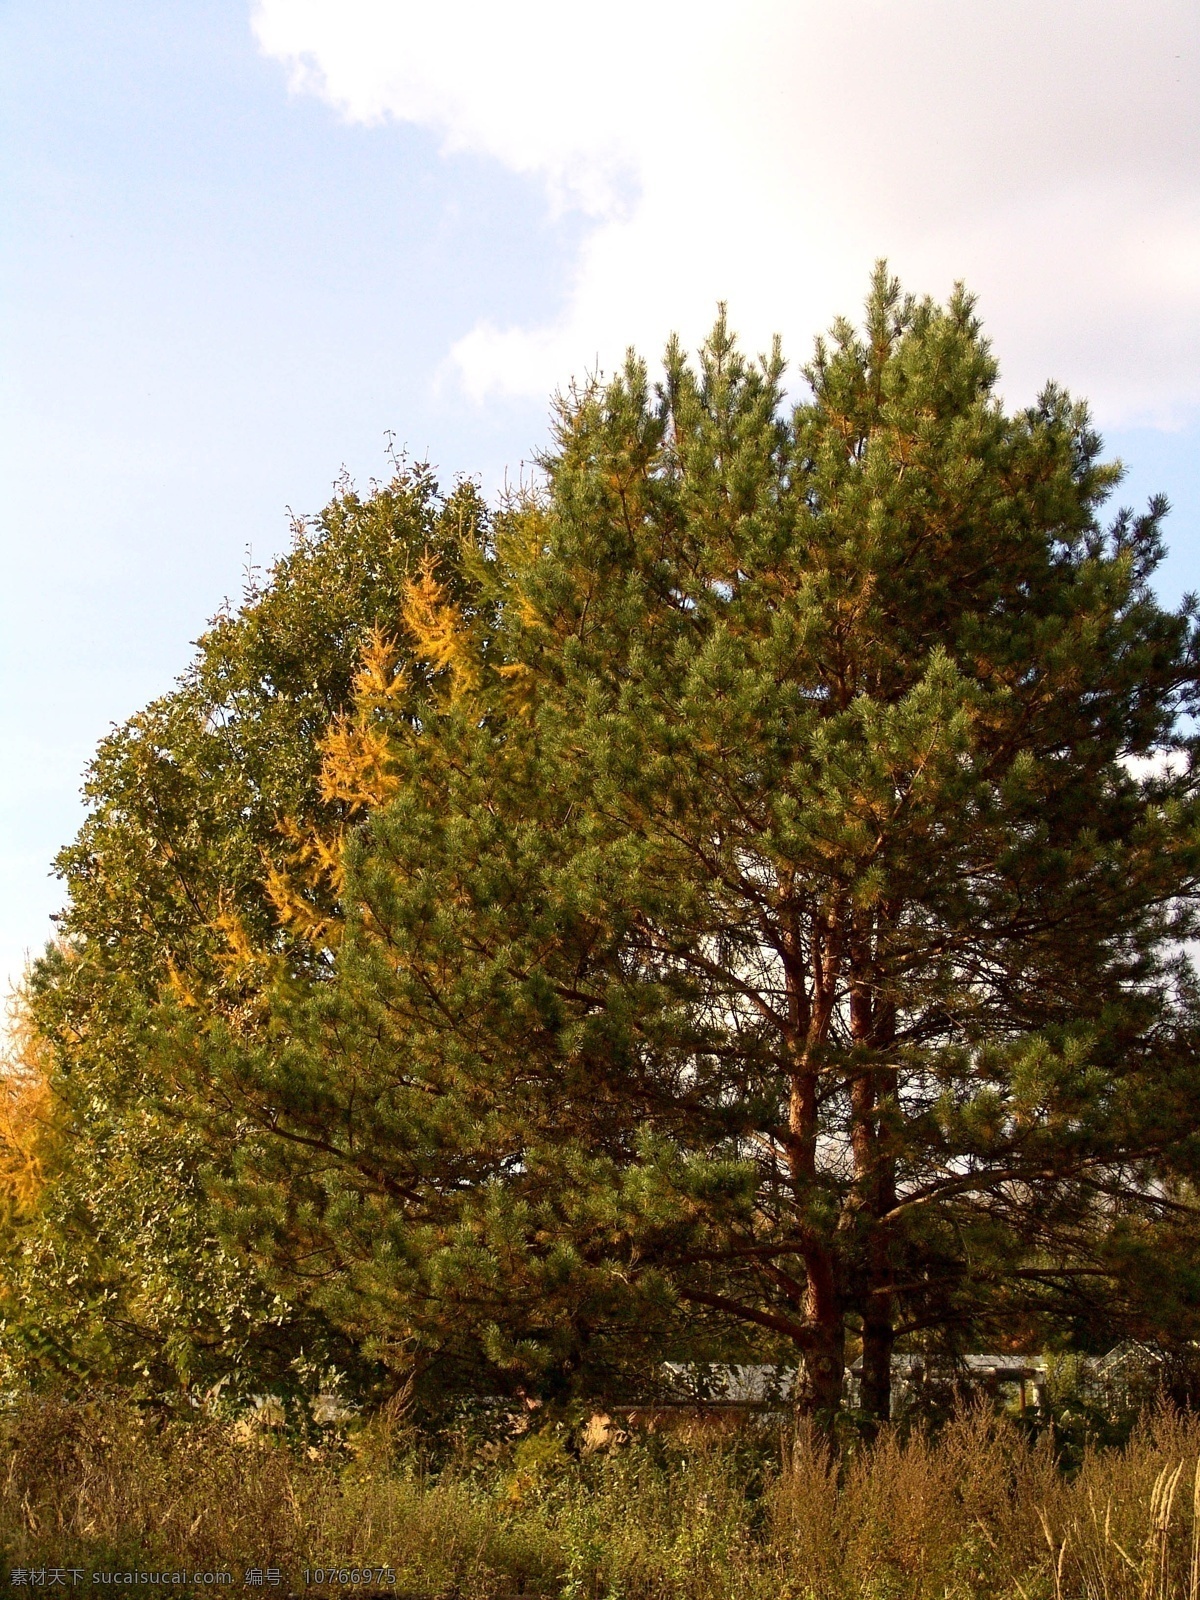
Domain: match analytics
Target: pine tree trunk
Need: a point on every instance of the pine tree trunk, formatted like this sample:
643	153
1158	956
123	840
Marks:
819	1395
823	1369
878	1340
872	1025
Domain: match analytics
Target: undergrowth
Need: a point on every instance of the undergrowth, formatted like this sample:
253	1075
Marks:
981	1510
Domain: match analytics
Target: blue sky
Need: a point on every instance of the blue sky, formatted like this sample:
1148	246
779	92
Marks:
241	243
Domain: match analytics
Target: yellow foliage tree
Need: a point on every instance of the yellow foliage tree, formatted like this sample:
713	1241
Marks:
26	1111
442	635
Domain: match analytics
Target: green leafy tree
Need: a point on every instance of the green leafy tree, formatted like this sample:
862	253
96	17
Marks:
765	913
117	1271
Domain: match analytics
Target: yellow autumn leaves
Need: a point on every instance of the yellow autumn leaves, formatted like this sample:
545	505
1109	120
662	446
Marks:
358	767
25	1111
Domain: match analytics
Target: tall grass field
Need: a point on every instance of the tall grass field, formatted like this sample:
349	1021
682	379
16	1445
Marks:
99	1497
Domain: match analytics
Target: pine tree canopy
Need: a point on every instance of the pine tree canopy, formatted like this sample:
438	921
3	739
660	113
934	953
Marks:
737	900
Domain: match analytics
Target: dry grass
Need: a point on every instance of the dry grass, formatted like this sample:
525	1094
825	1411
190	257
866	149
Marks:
979	1512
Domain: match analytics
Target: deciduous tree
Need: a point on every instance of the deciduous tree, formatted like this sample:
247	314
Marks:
117	1271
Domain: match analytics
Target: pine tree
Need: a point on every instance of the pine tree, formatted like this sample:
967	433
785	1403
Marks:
771	923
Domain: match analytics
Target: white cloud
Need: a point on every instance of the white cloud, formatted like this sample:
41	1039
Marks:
1046	151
